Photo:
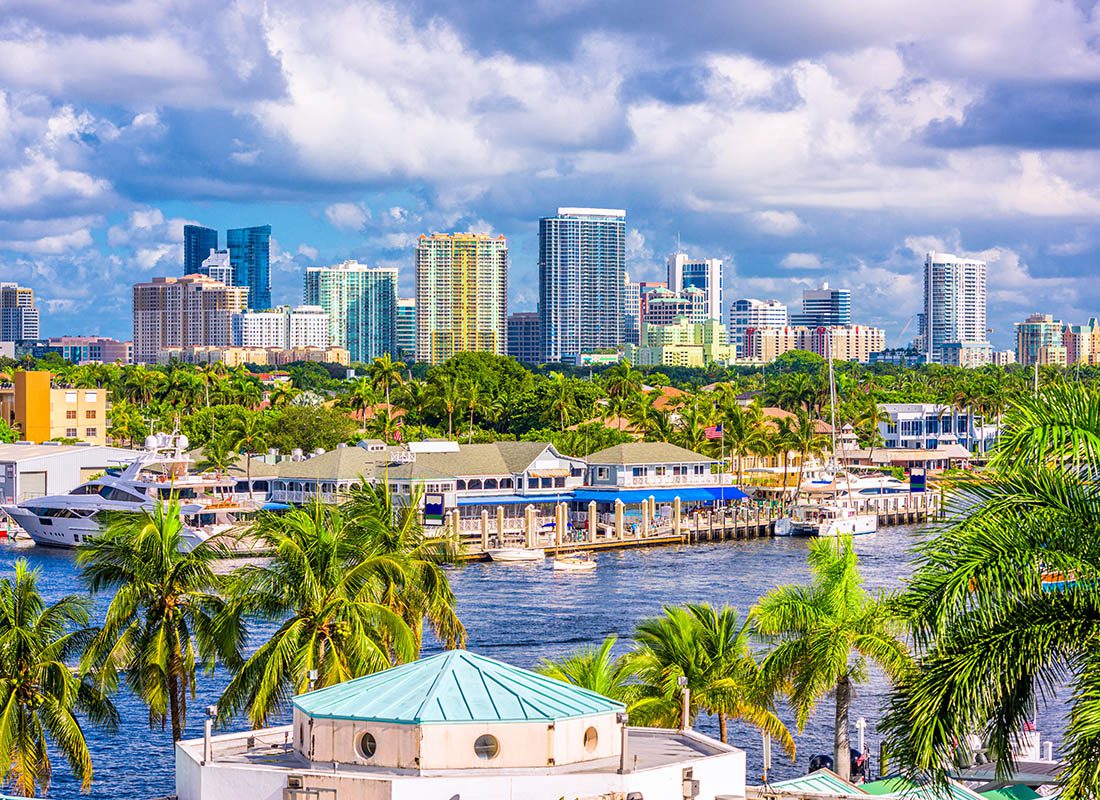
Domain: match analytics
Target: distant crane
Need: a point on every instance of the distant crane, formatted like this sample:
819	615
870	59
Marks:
908	322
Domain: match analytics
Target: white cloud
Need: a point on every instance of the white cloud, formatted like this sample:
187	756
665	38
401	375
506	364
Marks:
801	261
778	223
52	245
309	252
347	216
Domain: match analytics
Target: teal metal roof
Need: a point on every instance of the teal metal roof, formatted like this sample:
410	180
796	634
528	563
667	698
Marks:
454	687
821	781
902	787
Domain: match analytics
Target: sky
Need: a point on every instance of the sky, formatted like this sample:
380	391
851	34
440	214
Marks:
799	141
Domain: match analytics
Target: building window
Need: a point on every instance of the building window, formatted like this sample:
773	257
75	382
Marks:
70	433
486	747
659	471
601	473
90	414
89	432
70	397
368	746
90	397
70	414
638	472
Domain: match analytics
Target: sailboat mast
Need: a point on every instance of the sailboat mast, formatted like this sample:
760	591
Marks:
832	405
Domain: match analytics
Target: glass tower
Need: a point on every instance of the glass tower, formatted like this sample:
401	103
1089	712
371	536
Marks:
250	256
361	303
824	308
197	244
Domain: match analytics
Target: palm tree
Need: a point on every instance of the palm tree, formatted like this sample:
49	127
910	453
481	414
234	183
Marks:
384	373
744	434
594	669
709	647
562	398
166	614
622	380
806	441
282	394
217	456
247	434
416	398
471	396
991	640
361	397
867	420
41	696
449	391
322	585
825	633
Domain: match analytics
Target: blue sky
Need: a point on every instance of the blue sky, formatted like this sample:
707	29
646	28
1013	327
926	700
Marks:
799	141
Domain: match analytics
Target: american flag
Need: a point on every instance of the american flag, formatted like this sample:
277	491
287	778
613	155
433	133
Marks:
713	432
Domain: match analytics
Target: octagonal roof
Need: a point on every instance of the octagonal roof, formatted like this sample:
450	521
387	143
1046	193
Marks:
454	687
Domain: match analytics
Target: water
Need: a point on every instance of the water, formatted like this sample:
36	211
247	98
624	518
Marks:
521	613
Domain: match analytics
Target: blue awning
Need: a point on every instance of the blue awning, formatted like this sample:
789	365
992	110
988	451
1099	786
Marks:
687	494
273	506
514	499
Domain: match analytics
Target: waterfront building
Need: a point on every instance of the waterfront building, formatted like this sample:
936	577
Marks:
1082	343
461	295
967	354
954	307
361	305
927	426
1002	358
192	311
31	470
93	349
217	266
525	337
282	327
824	307
703	274
250	255
664	307
647	465
898	356
1039	341
18	313
582	265
682	343
41	411
405	339
457	724
747	313
198	243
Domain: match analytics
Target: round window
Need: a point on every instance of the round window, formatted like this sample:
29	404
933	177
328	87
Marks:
591	739
367	745
486	746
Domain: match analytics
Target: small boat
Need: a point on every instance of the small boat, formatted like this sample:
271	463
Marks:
574	563
825	520
517	554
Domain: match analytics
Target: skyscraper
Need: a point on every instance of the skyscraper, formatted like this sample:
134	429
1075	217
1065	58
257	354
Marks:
217	266
461	295
706	275
197	244
1040	340
582	260
525	337
954	304
748	314
361	303
18	313
406	328
250	255
824	307
191	311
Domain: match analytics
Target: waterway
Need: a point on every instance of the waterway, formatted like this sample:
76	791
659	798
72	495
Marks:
522	613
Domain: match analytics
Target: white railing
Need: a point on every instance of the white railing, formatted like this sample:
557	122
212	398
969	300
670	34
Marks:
670	480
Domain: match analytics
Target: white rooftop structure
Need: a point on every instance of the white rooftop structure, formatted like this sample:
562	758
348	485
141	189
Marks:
28	471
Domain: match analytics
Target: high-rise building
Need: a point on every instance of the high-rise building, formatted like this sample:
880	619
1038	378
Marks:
1082	343
18	313
191	311
217	266
681	344
824	307
843	343
954	304
361	305
582	261
1039	341
250	255
749	313
283	327
706	275
664	307
461	295
406	328
525	337
197	244
632	310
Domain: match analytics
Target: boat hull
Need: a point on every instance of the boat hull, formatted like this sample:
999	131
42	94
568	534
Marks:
573	565
54	531
512	554
857	525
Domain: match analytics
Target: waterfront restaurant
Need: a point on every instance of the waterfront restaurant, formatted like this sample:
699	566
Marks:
457	725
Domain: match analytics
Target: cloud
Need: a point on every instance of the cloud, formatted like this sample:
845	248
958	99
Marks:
801	261
347	216
778	223
58	243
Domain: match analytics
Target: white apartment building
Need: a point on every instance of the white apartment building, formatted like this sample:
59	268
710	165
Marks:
218	267
954	304
282	327
749	313
706	275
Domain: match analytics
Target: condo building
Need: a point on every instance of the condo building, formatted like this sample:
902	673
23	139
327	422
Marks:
705	275
682	343
193	310
749	313
18	313
461	295
1082	343
250	256
198	242
360	303
283	327
217	266
664	307
1039	340
406	328
93	349
582	265
525	337
954	304
824	307
848	343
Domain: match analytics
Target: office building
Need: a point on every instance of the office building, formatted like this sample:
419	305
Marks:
198	242
954	303
18	313
41	411
406	328
1082	343
283	327
664	306
582	261
250	256
1039	341
824	307
461	295
705	275
525	337
218	266
93	349
749	313
682	343
361	305
632	310
193	310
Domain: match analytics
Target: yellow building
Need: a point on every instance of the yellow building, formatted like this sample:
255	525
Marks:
41	411
260	356
681	344
461	295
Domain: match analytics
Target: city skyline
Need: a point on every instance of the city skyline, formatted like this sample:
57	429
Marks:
810	143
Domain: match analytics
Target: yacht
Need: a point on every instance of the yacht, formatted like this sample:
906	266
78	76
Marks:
825	519
207	502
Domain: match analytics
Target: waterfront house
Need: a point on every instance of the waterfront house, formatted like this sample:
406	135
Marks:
649	464
457	725
927	426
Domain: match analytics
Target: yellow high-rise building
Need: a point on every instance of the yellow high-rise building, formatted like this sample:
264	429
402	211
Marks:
461	295
41	412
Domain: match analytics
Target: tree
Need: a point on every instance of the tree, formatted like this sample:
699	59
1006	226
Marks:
622	380
744	434
166	614
562	398
806	441
449	392
8	434
824	634
282	394
322	586
594	669
992	639
41	696
709	647
384	374
247	434
361	397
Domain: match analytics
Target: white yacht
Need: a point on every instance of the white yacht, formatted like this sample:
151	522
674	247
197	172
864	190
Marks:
825	519
207	502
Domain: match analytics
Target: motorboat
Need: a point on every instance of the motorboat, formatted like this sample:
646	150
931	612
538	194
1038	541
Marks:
516	554
575	563
824	519
208	505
